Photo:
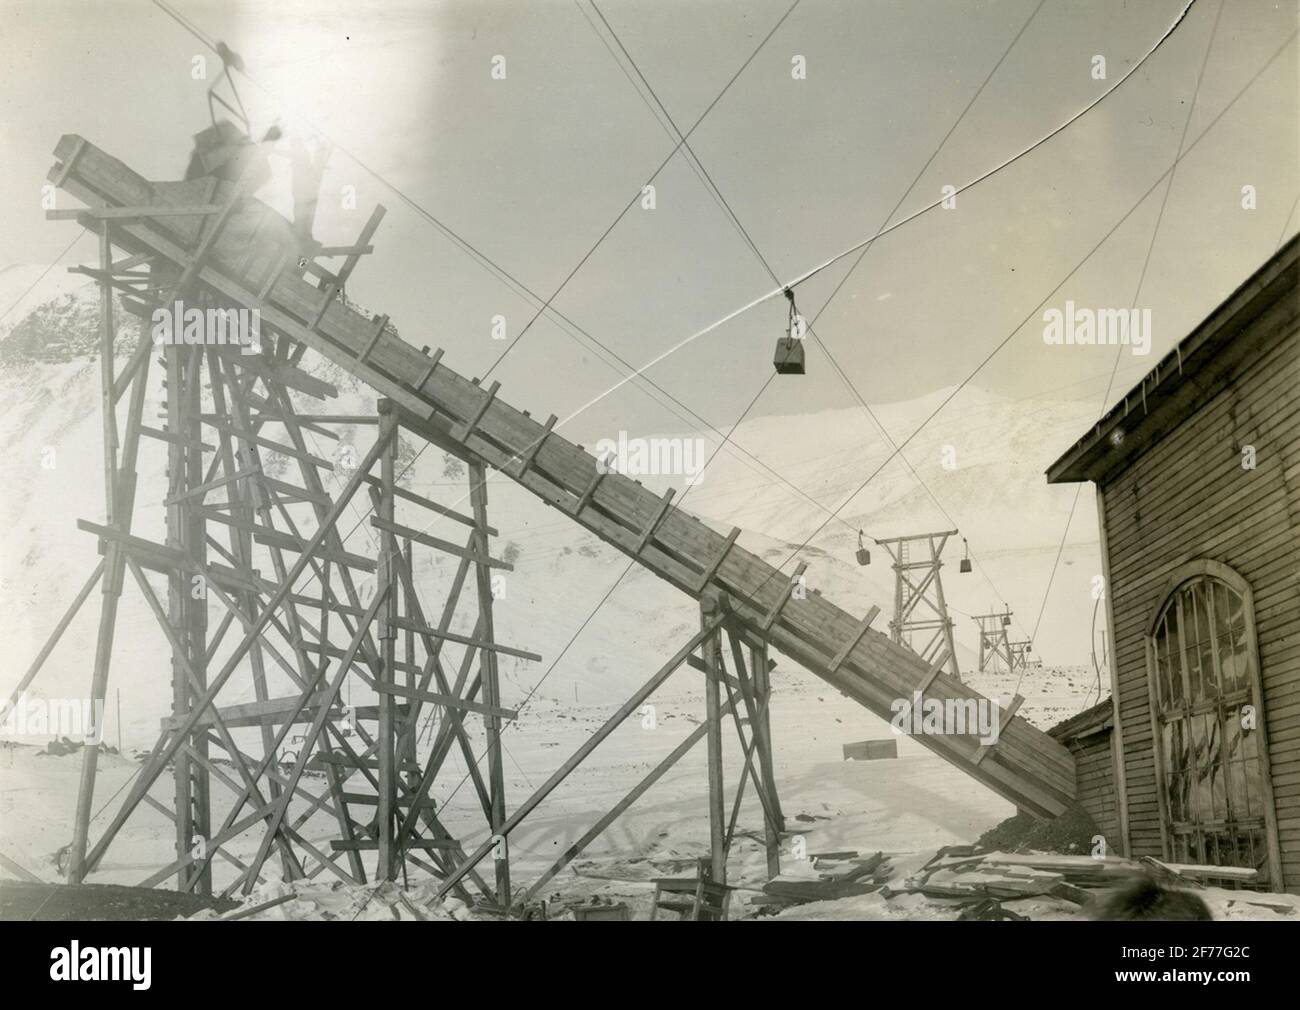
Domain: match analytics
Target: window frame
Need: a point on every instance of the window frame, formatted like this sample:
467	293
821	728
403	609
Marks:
1234	581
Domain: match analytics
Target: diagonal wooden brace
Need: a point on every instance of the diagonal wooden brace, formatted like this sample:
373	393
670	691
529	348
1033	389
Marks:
1007	716
856	637
380	323
655	520
707	575
777	607
586	495
528	455
464	432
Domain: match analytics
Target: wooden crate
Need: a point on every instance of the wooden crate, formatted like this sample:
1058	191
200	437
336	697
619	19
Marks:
871	750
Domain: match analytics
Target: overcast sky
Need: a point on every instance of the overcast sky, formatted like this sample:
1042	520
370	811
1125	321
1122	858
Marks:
533	168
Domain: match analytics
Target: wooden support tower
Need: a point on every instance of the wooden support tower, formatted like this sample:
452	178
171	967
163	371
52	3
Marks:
1020	652
995	641
921	620
252	541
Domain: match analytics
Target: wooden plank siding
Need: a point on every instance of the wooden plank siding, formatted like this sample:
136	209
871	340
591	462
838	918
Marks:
1089	738
1096	779
1185	497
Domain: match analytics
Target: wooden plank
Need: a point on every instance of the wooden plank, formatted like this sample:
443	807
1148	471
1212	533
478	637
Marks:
477	643
853	639
362	244
448	701
380	323
467	429
707	575
649	532
1003	723
442	545
120	213
774	612
526	457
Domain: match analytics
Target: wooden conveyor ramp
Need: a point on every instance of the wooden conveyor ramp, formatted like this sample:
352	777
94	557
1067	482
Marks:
246	253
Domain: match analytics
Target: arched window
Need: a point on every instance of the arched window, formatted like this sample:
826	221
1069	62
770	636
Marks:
1212	765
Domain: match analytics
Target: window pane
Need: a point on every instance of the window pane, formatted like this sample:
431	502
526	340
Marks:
1205	643
1160	651
1200	742
1254	793
1172	649
1191	657
1232	734
1230	638
1240	801
1180	754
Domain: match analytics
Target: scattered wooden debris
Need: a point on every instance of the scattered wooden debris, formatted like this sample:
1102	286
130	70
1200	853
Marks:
601	910
962	871
989	910
840	875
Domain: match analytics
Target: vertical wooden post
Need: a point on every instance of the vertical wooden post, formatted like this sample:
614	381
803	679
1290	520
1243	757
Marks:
946	629
710	605
1119	767
190	616
762	731
387	634
107	336
409	730
491	681
114	565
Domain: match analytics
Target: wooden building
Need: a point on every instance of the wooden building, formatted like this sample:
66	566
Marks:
1197	472
1088	737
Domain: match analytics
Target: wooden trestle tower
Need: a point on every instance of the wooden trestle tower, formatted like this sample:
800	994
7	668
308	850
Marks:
274	622
919	603
995	641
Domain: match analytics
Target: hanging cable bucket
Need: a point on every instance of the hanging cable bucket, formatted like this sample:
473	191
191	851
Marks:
789	349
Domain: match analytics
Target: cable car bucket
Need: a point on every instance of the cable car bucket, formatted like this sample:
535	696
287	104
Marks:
789	358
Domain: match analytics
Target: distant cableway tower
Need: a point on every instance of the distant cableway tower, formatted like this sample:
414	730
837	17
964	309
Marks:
995	643
917	581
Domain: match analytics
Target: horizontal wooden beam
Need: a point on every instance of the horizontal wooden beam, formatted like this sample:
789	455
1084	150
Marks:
118	213
447	700
420	537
